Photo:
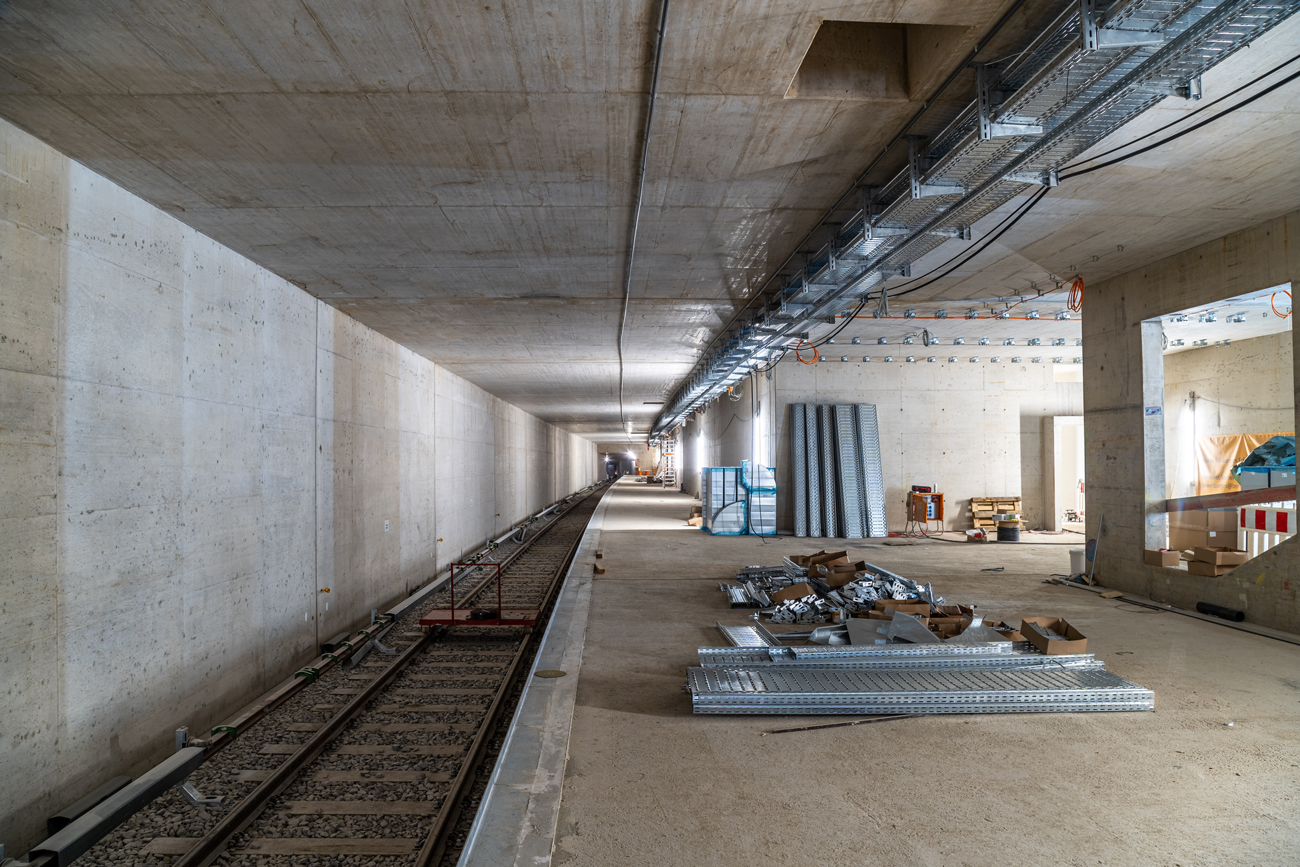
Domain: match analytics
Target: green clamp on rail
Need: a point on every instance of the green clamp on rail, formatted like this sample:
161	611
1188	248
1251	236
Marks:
308	672
229	730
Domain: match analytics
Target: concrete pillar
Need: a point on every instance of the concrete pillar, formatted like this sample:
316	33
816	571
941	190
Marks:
1153	433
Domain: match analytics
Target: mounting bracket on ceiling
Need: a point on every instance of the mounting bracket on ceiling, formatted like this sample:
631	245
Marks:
1096	36
917	164
987	99
962	233
1049	178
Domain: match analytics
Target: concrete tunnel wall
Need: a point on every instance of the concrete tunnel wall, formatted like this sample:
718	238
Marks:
1124	450
971	430
191	450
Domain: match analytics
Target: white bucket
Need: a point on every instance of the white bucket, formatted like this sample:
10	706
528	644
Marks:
1077	566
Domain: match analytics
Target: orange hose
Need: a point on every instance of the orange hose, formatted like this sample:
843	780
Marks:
801	344
1274	306
1075	301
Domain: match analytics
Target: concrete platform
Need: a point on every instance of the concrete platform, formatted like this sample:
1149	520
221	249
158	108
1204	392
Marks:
648	783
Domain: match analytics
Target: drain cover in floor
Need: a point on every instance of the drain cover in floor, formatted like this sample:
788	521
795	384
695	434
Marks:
550	672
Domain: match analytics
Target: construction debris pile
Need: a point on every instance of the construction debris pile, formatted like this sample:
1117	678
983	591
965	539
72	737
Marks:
891	646
819	587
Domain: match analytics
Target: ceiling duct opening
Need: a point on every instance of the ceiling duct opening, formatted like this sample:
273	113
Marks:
859	60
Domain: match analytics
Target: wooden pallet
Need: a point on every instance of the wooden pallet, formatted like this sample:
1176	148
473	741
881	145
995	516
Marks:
983	508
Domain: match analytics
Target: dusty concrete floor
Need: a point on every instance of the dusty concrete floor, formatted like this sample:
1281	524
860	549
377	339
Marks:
649	783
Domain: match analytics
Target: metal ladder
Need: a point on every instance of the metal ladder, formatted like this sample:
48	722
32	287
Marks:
669	474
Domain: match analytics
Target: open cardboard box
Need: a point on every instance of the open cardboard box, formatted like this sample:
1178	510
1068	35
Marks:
907	606
1074	641
794	591
1210	570
1160	557
1010	632
1220	555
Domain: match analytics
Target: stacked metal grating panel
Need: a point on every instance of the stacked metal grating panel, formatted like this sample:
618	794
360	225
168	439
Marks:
796	689
799	443
838	477
873	472
830	479
849	476
812	453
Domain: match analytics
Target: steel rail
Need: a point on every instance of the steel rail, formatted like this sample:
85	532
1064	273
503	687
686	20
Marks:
215	842
435	845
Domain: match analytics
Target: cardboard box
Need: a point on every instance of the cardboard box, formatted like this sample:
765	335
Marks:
1161	557
1200	567
1008	632
1220	556
835	558
696	522
697	511
1074	641
794	591
1185	540
907	606
1209	520
839	579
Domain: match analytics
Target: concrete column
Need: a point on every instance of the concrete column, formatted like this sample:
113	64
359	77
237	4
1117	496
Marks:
1153	434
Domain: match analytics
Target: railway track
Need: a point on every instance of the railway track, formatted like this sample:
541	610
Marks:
379	764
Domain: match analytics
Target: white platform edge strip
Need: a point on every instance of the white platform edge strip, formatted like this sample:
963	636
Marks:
521	808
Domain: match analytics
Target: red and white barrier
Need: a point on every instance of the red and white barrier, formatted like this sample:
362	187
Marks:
1262	528
1273	520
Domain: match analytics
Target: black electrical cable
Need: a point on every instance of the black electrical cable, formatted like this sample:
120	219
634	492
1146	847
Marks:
1209	120
1187	116
862	177
982	243
970	254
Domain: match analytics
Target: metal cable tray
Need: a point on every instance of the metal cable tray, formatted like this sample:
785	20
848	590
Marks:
796	689
818	652
995	661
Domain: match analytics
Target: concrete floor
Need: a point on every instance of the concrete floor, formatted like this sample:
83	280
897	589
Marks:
649	783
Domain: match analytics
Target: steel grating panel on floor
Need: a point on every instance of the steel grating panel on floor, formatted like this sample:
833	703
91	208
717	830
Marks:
751	658
750	635
872	650
795	689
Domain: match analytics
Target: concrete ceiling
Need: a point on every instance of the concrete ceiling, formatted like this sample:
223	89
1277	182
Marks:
460	176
